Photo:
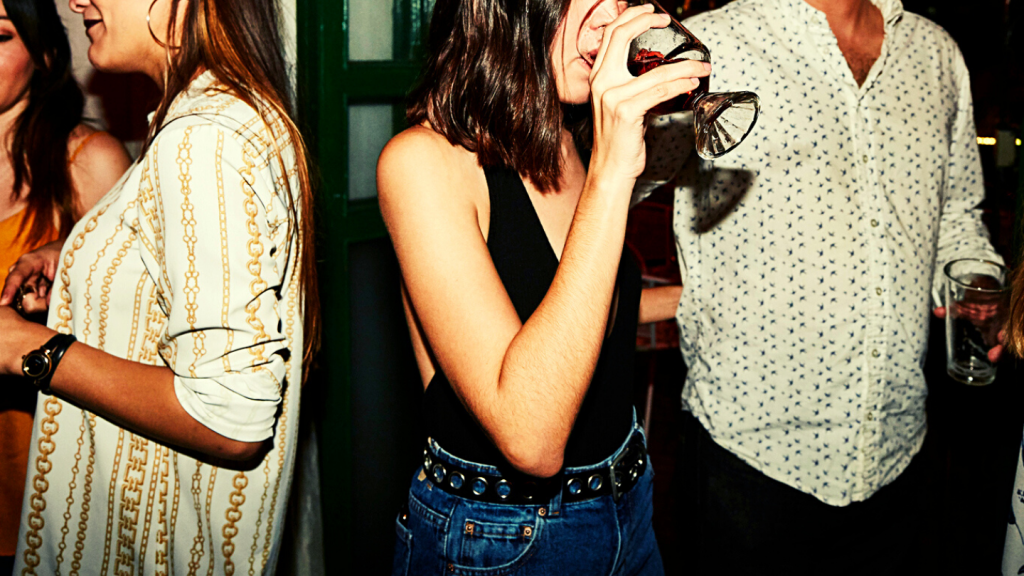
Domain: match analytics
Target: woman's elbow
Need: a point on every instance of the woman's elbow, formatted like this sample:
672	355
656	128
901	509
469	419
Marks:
239	451
537	461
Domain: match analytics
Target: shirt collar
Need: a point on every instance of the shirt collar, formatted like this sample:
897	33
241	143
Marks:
801	11
182	105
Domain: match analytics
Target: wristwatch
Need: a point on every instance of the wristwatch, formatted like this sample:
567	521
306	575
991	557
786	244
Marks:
39	365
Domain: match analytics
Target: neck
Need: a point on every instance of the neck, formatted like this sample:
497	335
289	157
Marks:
849	15
852	21
157	70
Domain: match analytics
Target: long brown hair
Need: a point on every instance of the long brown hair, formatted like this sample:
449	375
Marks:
40	140
240	43
488	84
1015	327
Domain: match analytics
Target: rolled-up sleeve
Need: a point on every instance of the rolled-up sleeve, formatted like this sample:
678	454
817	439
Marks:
962	234
206	242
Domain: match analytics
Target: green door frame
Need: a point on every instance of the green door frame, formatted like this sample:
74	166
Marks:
328	83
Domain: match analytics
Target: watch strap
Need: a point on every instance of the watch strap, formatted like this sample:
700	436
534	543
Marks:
54	348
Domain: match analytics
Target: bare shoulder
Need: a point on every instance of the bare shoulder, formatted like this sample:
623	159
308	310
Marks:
97	162
88	147
419	164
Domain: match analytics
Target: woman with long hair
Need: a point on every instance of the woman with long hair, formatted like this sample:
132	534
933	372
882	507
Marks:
1013	550
522	308
52	170
173	357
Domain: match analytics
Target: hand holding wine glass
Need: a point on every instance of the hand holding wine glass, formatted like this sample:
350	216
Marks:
621	101
721	120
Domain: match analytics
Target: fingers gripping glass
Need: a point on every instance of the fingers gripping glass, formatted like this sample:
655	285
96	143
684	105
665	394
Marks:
977	305
721	119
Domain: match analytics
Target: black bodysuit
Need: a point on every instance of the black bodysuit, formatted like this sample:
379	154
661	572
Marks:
526	264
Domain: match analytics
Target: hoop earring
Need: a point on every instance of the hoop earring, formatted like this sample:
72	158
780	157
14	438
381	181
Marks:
149	25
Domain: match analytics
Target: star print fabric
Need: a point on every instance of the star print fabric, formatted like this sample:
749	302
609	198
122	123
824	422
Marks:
811	253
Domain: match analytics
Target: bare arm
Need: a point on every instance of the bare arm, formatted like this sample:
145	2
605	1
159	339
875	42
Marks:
132	395
659	303
524	383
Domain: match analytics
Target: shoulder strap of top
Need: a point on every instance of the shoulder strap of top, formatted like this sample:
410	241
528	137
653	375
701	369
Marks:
81	146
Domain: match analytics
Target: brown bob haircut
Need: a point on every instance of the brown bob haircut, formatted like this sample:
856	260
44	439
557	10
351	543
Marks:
488	84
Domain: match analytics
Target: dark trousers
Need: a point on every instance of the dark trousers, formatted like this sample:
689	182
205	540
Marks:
739	521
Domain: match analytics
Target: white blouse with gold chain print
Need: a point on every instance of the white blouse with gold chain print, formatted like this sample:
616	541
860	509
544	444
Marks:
189	262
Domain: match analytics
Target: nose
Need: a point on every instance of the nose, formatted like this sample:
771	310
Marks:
78	5
604	13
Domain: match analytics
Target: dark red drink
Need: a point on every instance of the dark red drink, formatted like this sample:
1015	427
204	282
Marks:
647	60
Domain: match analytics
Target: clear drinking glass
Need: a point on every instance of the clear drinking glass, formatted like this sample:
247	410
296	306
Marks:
977	302
723	119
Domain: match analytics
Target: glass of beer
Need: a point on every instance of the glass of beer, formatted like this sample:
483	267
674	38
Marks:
977	302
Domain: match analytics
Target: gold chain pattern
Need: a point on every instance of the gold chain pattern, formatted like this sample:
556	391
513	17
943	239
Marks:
49	427
233	515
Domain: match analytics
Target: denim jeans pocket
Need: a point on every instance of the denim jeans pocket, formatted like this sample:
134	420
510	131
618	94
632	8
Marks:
493	541
403	546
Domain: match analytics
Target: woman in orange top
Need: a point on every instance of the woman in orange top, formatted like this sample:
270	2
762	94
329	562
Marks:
53	169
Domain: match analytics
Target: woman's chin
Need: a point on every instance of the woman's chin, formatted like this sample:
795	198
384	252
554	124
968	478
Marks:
102	61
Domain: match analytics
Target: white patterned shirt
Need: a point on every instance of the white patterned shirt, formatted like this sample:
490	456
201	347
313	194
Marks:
812	253
188	262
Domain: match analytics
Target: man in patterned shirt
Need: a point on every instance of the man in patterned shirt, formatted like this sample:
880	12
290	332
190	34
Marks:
811	259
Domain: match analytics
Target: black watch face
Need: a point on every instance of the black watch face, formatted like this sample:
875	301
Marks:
35	365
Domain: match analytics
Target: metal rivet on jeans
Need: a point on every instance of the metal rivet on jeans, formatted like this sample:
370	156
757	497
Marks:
457	480
527	531
439	473
575	485
542	512
503	488
595	482
469	527
479	486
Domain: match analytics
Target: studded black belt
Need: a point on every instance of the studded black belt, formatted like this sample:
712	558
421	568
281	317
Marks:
616	479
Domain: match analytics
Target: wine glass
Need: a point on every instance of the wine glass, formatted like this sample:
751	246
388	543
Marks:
721	119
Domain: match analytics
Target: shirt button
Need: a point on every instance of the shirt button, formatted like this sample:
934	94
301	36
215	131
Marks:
870	416
878	291
875	353
874	223
865	159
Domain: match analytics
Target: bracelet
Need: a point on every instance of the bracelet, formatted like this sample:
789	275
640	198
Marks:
39	365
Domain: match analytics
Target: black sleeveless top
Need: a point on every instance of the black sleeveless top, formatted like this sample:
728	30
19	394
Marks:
526	264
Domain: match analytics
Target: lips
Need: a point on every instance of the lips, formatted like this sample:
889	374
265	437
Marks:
90	23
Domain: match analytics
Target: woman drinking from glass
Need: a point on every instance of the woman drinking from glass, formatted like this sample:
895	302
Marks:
522	308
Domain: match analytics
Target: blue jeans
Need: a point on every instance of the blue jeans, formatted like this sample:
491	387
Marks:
591	537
